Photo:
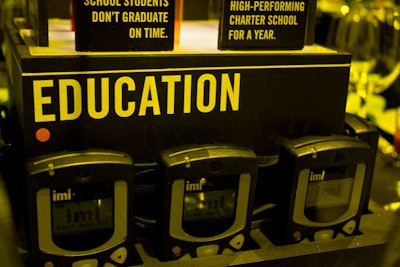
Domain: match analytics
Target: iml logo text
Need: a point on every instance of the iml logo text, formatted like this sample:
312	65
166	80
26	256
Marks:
62	196
195	186
317	176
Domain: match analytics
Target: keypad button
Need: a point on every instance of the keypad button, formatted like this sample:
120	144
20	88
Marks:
208	250
237	242
185	257
119	255
227	251
349	227
323	235
86	263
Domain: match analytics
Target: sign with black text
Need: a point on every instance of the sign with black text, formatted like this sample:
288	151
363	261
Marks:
124	25
262	25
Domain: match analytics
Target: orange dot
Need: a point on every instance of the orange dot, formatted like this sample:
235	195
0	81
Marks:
43	135
176	250
297	235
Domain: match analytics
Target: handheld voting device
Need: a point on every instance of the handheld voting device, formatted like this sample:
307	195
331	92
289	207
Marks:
324	178
361	128
80	204
208	195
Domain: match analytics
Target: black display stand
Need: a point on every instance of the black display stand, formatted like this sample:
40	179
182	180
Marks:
192	94
195	94
366	249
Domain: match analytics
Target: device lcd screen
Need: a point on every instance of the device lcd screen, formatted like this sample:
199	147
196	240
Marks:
209	205
82	213
82	216
329	193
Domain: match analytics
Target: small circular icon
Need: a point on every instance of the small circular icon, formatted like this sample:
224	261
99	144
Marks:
83	174
42	135
215	166
297	235
176	250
